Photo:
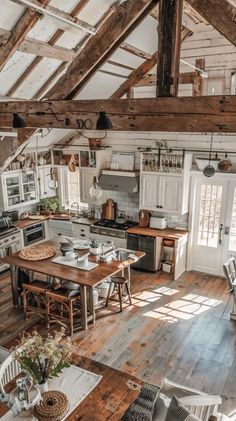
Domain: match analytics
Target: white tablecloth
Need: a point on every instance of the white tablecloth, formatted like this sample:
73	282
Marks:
75	382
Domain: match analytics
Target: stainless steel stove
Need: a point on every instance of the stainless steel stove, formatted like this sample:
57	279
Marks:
107	228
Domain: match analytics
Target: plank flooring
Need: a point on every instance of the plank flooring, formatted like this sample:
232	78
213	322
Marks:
178	329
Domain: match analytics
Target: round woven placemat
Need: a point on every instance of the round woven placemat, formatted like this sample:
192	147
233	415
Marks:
53	406
36	253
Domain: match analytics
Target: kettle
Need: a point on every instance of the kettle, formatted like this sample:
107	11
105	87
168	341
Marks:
109	210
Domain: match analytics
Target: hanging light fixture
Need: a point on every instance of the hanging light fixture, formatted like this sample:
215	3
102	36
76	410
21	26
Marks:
95	190
18	122
103	122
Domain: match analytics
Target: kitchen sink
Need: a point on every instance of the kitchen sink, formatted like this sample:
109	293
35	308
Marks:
122	254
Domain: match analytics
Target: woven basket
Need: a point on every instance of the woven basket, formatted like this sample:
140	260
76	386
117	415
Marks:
53	406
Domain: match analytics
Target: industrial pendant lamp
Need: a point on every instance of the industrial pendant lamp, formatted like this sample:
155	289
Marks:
103	122
18	122
95	190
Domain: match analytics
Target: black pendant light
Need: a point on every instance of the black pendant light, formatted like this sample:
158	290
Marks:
103	122
18	122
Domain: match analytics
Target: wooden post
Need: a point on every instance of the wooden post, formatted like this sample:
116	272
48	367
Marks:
169	42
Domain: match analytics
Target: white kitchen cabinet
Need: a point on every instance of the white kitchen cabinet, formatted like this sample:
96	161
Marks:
58	227
44	177
81	231
166	192
18	188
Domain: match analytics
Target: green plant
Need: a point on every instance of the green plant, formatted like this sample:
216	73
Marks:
94	243
43	357
50	203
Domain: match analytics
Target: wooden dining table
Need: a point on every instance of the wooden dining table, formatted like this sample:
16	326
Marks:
87	280
109	400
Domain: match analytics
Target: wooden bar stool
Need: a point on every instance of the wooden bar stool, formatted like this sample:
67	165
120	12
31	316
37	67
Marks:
119	282
34	298
63	306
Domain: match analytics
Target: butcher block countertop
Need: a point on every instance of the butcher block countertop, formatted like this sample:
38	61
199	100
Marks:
171	233
24	223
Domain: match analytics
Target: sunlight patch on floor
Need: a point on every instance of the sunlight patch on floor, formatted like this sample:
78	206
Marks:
166	291
184	309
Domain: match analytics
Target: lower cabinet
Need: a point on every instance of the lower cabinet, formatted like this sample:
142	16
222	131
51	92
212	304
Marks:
81	231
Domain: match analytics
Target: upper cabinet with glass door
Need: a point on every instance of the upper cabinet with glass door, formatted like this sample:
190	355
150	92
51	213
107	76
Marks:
18	188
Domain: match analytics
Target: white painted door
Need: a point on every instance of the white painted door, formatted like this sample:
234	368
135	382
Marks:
209	212
149	188
170	193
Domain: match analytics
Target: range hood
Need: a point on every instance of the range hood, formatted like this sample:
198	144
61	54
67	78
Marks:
126	181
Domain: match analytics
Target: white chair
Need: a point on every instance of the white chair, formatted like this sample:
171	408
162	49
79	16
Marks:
229	269
199	404
4	353
9	369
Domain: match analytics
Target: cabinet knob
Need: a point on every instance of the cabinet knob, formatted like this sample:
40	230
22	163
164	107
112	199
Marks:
160	206
157	206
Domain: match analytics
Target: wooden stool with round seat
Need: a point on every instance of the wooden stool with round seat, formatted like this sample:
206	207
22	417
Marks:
34	298
119	283
63	306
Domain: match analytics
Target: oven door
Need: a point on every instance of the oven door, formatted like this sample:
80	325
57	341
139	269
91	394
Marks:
33	234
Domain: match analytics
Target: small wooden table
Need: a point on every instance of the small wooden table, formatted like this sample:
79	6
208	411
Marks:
86	279
109	400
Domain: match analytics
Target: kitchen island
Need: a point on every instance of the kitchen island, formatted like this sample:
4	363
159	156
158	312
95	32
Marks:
87	280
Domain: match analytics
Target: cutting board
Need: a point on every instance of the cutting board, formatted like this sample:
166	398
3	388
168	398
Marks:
61	260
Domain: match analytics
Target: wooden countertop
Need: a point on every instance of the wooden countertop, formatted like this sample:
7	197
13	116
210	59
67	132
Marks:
79	276
171	233
24	223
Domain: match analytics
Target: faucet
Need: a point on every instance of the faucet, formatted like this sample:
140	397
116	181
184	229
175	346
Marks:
77	207
110	254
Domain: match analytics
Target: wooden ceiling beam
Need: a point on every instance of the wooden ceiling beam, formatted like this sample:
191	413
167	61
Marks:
151	80
220	14
180	114
55	37
169	43
143	69
135	51
59	14
21	29
98	49
40	48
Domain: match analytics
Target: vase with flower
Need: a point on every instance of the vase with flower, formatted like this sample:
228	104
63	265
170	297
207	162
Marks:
42	357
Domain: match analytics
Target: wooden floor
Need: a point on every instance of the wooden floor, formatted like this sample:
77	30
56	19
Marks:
176	329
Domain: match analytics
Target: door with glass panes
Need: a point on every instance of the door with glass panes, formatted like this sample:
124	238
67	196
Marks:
209	242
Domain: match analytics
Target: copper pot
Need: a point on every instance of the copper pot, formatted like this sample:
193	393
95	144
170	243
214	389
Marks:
109	210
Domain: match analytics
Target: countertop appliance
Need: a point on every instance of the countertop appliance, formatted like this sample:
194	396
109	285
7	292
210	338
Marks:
109	210
14	215
159	223
150	246
10	242
34	233
104	229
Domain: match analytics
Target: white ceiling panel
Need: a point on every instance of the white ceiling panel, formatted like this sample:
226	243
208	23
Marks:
13	70
37	78
124	57
101	86
92	13
115	69
145	36
10	14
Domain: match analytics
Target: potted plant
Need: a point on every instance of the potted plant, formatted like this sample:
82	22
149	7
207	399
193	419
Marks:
49	205
94	246
42	357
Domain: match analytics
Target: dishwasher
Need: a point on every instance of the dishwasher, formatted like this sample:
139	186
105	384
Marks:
151	246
